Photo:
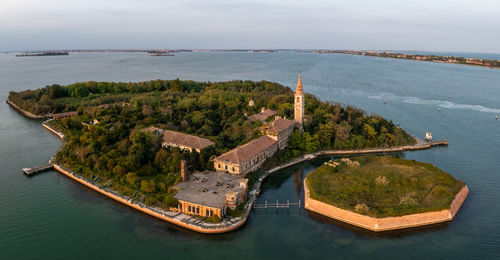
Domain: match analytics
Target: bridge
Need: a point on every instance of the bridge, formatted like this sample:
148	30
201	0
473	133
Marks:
276	205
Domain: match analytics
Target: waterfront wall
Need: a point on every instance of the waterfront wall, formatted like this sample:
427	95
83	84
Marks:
24	112
388	223
59	134
197	228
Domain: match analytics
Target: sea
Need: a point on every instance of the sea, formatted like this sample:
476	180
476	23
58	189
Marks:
49	216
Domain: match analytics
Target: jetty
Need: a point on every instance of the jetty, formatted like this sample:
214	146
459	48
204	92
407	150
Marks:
38	169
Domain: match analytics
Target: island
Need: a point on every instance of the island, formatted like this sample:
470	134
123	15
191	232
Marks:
382	193
419	57
195	153
45	53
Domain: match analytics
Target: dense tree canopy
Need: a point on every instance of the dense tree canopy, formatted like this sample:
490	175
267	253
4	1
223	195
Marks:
133	161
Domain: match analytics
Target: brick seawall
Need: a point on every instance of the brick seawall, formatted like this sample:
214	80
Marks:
388	223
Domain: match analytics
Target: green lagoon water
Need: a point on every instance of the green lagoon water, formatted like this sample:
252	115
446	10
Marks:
49	216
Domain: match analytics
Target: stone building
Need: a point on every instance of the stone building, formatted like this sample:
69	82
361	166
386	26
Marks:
280	130
263	115
248	157
64	115
299	103
181	140
210	193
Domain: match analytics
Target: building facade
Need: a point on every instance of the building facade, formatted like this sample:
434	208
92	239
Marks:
64	115
280	130
210	193
246	158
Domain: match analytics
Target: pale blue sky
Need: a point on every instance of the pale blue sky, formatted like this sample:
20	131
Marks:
445	25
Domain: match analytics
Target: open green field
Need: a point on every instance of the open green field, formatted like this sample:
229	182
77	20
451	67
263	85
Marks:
384	186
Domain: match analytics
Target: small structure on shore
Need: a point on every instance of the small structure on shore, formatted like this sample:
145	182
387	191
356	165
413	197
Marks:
428	136
64	115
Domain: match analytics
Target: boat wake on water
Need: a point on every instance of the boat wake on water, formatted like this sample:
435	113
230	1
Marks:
434	102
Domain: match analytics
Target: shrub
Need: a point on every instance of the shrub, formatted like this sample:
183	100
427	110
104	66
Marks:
382	181
361	208
213	219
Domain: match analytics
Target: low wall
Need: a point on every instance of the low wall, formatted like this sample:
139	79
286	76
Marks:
24	112
59	134
211	230
388	223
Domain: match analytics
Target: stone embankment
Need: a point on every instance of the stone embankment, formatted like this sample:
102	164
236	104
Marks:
26	113
388	223
59	134
420	145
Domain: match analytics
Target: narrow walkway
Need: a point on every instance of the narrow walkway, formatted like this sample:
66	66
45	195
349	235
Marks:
35	170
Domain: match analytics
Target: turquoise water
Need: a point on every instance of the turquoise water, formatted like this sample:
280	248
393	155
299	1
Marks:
49	216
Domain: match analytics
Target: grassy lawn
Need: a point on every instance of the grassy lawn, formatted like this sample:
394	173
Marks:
384	186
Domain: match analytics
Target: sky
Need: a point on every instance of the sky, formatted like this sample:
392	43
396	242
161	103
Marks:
432	25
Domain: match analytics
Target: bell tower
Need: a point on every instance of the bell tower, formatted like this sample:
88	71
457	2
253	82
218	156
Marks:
299	103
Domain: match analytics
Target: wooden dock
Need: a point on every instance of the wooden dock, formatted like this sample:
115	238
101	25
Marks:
38	169
439	143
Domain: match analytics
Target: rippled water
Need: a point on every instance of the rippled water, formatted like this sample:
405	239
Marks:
49	216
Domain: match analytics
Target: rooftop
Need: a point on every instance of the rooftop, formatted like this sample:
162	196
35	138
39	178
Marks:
208	188
245	152
181	139
277	126
263	115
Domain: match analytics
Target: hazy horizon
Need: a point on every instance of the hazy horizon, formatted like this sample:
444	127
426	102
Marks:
443	25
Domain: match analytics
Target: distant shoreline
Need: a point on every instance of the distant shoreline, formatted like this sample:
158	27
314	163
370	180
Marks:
420	57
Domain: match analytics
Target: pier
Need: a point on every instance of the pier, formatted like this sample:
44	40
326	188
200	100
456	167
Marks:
38	169
439	143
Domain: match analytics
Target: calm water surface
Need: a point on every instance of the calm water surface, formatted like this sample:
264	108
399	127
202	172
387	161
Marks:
49	216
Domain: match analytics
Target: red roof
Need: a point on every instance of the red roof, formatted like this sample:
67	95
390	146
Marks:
277	126
247	151
182	139
262	116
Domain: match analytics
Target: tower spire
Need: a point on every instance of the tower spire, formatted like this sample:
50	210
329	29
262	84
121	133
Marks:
299	86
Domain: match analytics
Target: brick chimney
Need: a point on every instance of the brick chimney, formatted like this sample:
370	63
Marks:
184	171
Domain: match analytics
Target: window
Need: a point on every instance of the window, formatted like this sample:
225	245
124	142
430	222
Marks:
298	99
233	169
218	166
226	167
198	210
189	208
207	212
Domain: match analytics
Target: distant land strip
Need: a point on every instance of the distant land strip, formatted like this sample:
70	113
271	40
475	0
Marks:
431	58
